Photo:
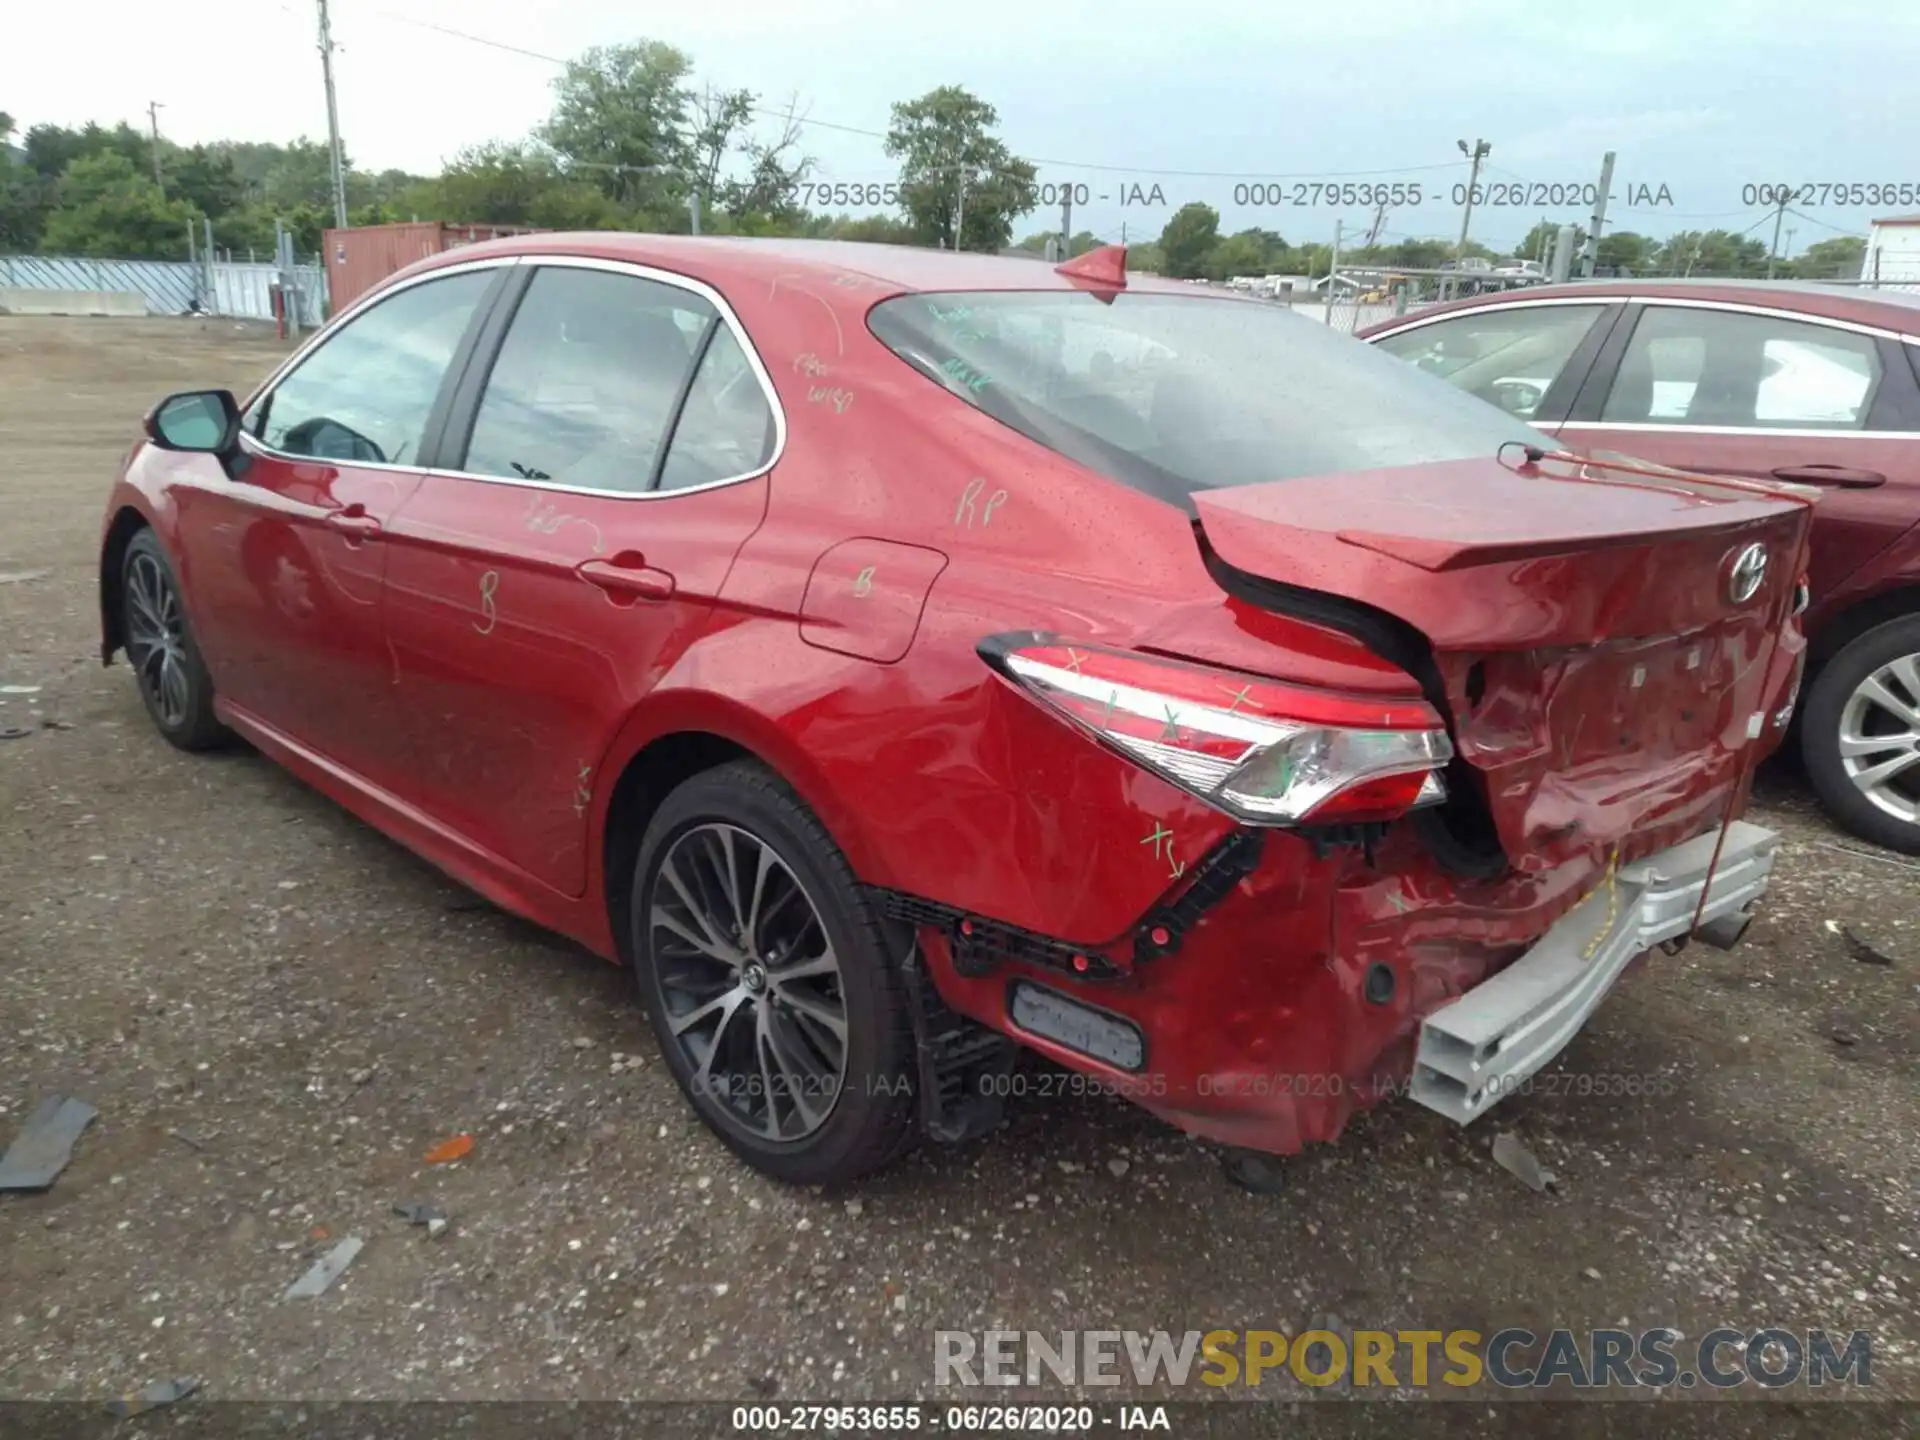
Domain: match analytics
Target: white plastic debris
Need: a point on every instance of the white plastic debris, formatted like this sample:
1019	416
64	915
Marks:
326	1270
1513	1157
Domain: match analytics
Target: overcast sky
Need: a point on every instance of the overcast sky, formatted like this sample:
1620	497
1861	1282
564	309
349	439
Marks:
1702	97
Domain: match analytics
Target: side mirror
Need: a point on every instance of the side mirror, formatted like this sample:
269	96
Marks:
201	421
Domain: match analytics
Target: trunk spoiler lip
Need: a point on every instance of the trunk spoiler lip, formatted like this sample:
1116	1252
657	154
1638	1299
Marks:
1742	504
1617	463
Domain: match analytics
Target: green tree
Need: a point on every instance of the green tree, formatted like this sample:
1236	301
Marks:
1244	253
1416	254
516	184
1713	253
23	195
1840	258
52	148
204	177
769	195
621	117
1538	242
719	121
1188	239
108	207
1624	250
960	185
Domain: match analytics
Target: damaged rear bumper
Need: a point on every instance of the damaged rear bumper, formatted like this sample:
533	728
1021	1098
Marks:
1483	1046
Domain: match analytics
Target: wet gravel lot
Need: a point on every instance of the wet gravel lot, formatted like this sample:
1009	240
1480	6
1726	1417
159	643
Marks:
278	1013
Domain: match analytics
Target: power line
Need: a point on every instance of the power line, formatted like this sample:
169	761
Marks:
1801	214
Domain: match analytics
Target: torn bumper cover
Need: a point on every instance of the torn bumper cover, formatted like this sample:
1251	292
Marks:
1483	1046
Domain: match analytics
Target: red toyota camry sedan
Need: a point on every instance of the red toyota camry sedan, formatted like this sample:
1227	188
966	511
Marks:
902	657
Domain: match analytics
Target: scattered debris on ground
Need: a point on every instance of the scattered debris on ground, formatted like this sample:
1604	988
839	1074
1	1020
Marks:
44	1146
1518	1161
327	1269
1870	950
458	1148
161	1392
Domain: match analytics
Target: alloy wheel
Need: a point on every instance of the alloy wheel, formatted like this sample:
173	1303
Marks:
752	988
157	639
1880	738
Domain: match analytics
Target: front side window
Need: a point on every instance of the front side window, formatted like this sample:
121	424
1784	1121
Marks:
1508	356
365	393
1177	393
1687	366
585	386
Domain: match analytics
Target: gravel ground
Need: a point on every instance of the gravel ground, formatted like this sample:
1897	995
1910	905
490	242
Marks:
278	1013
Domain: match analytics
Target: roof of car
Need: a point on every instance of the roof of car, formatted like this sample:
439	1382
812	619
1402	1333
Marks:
1889	309
718	258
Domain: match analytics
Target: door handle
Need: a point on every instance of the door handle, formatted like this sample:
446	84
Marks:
1840	476
627	576
352	520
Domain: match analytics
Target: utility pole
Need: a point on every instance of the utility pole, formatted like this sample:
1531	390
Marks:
154	107
960	210
1066	224
1779	214
693	209
1333	269
1379	224
1592	250
333	121
1481	149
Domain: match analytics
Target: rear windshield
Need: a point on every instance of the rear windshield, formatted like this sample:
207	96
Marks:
1174	393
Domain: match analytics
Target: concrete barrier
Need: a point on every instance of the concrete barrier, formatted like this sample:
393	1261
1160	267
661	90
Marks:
17	300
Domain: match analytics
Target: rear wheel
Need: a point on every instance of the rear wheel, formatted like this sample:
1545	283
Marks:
1860	735
768	982
173	679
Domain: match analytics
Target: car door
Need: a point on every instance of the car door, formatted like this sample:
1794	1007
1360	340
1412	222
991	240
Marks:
285	553
606	457
1734	390
1528	357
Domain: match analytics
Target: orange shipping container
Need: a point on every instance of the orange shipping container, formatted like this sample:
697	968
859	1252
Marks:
361	257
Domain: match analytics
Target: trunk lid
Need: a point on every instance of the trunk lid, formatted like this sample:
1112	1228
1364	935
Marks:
1582	632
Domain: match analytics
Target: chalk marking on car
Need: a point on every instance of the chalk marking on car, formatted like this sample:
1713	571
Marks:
839	341
489	583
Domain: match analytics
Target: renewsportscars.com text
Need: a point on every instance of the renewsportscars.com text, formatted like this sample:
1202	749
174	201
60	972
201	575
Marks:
1512	1358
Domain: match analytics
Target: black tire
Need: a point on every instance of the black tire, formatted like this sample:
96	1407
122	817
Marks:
873	1111
1826	711
173	680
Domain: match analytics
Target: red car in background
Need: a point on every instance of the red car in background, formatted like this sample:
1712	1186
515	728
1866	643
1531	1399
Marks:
899	657
1817	384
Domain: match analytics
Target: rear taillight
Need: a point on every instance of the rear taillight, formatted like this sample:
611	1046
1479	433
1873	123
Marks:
1264	752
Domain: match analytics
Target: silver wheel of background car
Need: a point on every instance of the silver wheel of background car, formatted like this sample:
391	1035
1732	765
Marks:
1880	738
156	639
752	987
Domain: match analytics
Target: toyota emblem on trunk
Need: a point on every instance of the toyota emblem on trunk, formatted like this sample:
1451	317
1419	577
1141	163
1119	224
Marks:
1746	574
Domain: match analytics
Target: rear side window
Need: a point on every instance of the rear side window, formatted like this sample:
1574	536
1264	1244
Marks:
584	389
1693	366
1172	394
726	429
